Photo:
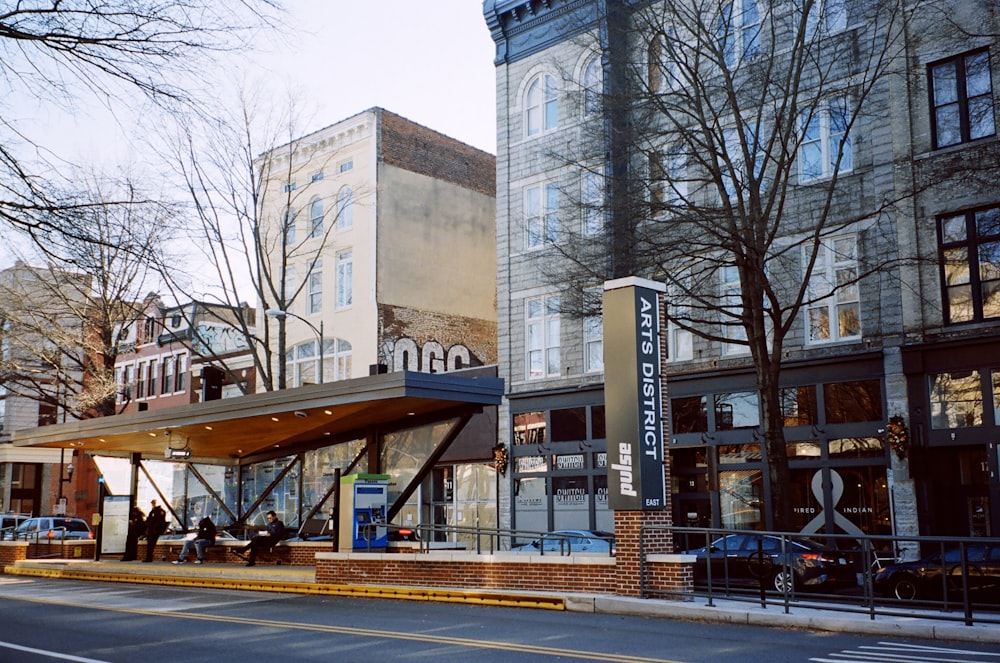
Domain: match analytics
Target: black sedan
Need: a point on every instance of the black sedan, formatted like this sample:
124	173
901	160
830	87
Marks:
783	564
934	575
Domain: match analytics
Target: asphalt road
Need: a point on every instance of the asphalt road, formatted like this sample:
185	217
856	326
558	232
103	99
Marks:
89	622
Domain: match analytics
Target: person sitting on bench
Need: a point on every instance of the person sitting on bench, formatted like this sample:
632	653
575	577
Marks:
203	539
275	533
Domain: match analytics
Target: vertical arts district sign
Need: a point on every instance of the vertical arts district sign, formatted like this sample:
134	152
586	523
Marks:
632	395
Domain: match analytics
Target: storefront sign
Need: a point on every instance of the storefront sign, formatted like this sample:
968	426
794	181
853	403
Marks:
632	395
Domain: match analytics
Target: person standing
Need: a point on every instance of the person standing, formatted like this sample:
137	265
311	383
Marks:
136	528
156	524
275	533
203	539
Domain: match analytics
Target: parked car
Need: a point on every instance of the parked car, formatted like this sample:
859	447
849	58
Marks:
931	576
744	559
9	523
570	542
53	527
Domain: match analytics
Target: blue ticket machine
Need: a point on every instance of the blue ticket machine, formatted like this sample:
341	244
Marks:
365	500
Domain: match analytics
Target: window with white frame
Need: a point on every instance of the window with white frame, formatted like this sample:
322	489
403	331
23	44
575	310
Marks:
316	287
962	99
734	163
345	166
317	176
345	278
541	315
180	372
592	197
826	145
140	380
316	218
825	16
593	332
342	360
289	286
288	225
834	308
667	179
732	305
680	345
345	208
541	106
737	30
151	379
593	86
541	214
167	379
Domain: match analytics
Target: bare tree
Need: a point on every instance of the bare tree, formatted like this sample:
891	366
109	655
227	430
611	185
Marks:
62	50
239	173
66	323
732	174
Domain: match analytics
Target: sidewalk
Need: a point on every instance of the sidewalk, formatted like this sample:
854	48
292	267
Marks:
925	624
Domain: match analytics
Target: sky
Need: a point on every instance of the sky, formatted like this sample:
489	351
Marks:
430	61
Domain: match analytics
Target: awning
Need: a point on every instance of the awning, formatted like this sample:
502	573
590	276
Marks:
284	421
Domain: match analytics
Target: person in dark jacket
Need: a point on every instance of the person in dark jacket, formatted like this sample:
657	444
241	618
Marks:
136	528
275	533
203	539
156	525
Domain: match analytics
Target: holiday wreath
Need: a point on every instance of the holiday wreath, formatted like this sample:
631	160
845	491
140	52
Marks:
897	436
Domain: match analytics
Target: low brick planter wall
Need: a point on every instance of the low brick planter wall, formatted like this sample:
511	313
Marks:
292	553
464	570
15	551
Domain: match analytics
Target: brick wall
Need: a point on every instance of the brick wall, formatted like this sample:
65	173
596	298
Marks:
292	554
411	146
479	336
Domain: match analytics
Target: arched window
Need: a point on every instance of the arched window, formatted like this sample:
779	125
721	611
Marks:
593	86
345	208
316	218
303	361
542	105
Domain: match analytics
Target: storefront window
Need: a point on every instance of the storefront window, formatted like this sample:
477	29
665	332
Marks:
804	450
740	499
689	415
851	402
530	502
571	501
739	453
597	422
737	410
569	424
529	428
996	395
956	400
857	447
568	462
798	406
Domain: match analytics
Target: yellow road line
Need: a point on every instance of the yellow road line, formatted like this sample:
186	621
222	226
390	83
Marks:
372	633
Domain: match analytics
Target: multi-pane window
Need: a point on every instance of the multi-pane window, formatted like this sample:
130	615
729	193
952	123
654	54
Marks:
345	278
737	30
834	308
167	379
542	336
345	166
667	179
593	344
825	17
680	344
316	287
961	99
289	286
826	145
288	224
542	105
733	162
316	218
593	86
342	360
970	265
956	400
151	379
732	306
180	372
592	197
541	213
140	380
345	208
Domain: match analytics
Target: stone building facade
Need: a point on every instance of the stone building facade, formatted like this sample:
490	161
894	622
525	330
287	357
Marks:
886	379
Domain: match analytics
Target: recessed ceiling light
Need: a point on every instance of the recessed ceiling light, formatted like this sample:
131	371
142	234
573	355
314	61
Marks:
152	434
328	412
209	428
274	419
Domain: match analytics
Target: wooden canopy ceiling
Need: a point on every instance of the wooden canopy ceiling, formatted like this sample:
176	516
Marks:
282	422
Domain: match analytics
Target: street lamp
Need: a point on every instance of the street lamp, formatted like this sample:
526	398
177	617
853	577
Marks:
69	473
278	314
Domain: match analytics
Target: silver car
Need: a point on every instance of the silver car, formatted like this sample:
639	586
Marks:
53	528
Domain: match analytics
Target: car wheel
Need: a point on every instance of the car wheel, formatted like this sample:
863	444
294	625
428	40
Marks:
783	581
904	589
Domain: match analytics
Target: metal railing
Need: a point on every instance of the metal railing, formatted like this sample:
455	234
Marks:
959	580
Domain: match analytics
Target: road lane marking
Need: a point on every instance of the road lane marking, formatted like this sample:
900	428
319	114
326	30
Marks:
901	652
50	654
366	633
